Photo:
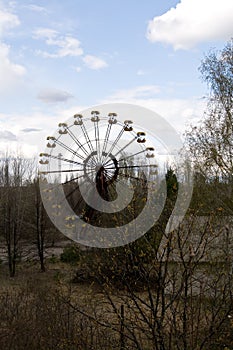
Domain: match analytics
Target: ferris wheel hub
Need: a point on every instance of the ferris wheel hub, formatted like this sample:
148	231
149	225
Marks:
98	166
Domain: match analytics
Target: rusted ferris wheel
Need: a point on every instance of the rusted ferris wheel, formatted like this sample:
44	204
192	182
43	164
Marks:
102	177
97	159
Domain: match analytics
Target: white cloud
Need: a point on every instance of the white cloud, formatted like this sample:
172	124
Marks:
6	135
7	68
69	46
192	22
18	148
10	72
7	21
4	52
54	95
144	91
45	33
94	62
141	72
36	8
78	69
178	112
65	45
32	130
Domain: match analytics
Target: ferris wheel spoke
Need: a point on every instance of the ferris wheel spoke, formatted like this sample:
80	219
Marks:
109	172
71	192
97	140
114	144
60	171
132	155
109	176
119	181
122	149
74	179
127	145
106	140
91	163
68	195
64	159
78	203
92	174
134	166
73	189
69	149
88	141
54	187
77	141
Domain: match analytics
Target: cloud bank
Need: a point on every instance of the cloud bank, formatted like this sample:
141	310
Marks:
7	21
6	135
180	113
192	22
53	96
28	130
94	62
66	46
10	72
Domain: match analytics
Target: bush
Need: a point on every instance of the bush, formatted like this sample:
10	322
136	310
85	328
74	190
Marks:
71	254
54	259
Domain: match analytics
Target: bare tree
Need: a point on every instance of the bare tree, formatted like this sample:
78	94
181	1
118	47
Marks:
40	224
211	143
13	205
180	299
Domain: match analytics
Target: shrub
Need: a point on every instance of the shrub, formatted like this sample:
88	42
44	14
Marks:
71	254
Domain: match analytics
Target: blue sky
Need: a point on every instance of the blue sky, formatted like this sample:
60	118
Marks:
59	57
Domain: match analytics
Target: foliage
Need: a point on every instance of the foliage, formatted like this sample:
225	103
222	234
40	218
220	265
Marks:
53	259
71	254
211	142
121	266
211	196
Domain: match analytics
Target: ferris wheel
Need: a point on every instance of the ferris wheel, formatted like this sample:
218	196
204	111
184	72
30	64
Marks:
97	167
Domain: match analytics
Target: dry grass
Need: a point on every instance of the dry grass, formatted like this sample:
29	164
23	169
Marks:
45	311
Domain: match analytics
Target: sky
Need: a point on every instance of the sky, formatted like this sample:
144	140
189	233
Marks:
60	57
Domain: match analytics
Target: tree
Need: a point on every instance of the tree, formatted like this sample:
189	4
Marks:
180	299
13	204
40	224
211	143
